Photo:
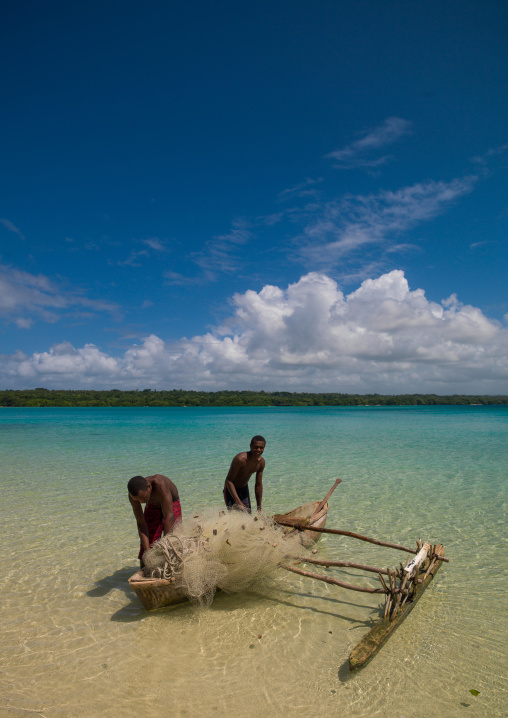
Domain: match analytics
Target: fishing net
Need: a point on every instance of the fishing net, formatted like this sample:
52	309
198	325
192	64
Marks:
229	550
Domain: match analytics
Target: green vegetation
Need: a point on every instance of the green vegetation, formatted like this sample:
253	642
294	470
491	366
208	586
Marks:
180	397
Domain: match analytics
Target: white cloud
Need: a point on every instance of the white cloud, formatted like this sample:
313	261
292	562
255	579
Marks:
136	255
303	189
25	296
179	280
485	159
132	260
12	228
383	337
63	362
359	153
339	228
154	243
221	253
23	323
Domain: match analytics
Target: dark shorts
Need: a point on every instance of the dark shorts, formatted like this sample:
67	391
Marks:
155	522
243	495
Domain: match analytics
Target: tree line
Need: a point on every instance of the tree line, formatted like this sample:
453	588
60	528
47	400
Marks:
183	398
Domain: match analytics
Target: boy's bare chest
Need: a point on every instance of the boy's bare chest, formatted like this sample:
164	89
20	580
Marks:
250	466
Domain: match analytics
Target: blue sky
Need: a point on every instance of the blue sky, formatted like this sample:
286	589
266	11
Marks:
269	195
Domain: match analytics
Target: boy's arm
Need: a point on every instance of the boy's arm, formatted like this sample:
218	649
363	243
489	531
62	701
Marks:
258	488
140	520
235	467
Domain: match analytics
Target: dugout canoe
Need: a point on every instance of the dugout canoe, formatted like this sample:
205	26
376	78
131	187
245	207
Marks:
160	592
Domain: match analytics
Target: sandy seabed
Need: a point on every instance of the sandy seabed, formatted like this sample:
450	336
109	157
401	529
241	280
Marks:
75	640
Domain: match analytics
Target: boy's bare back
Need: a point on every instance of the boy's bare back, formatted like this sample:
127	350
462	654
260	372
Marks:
161	486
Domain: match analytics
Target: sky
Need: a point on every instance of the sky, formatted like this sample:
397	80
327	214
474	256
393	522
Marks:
277	195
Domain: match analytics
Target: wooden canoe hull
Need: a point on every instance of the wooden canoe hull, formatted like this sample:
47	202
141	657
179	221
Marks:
308	538
383	629
157	593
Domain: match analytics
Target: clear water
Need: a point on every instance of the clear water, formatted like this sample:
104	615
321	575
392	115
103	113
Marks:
76	641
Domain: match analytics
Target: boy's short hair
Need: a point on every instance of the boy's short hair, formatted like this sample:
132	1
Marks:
137	484
258	437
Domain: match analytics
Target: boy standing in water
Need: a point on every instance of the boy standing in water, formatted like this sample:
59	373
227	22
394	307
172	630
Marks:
246	463
162	509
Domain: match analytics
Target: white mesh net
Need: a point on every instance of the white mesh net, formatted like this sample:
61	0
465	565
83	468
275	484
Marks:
230	550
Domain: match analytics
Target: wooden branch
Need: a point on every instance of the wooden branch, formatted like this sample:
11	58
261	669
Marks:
387	605
383	584
404	600
345	564
333	581
433	560
337	532
393	587
399	597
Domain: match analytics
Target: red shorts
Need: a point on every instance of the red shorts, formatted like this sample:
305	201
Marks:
155	521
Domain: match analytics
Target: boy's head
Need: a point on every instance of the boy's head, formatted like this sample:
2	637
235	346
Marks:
257	444
139	488
258	437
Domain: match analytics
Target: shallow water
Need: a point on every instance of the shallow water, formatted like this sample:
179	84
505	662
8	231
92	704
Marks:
76	641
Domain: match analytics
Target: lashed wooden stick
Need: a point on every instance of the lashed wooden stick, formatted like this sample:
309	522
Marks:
333	581
338	532
399	597
433	560
388	605
383	582
392	583
342	564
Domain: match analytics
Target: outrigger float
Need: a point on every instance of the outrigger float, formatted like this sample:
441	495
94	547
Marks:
401	586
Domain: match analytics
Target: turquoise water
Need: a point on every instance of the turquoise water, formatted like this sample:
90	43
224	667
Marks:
76	641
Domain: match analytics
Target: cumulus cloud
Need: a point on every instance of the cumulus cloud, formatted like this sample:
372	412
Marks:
25	296
382	337
362	152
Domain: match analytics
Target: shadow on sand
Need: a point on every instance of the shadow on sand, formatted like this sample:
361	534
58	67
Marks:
119	580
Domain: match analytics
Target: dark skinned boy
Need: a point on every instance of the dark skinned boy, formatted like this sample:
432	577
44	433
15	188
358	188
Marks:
246	463
162	509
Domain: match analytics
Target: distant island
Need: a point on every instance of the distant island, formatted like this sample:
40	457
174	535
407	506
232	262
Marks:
184	398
